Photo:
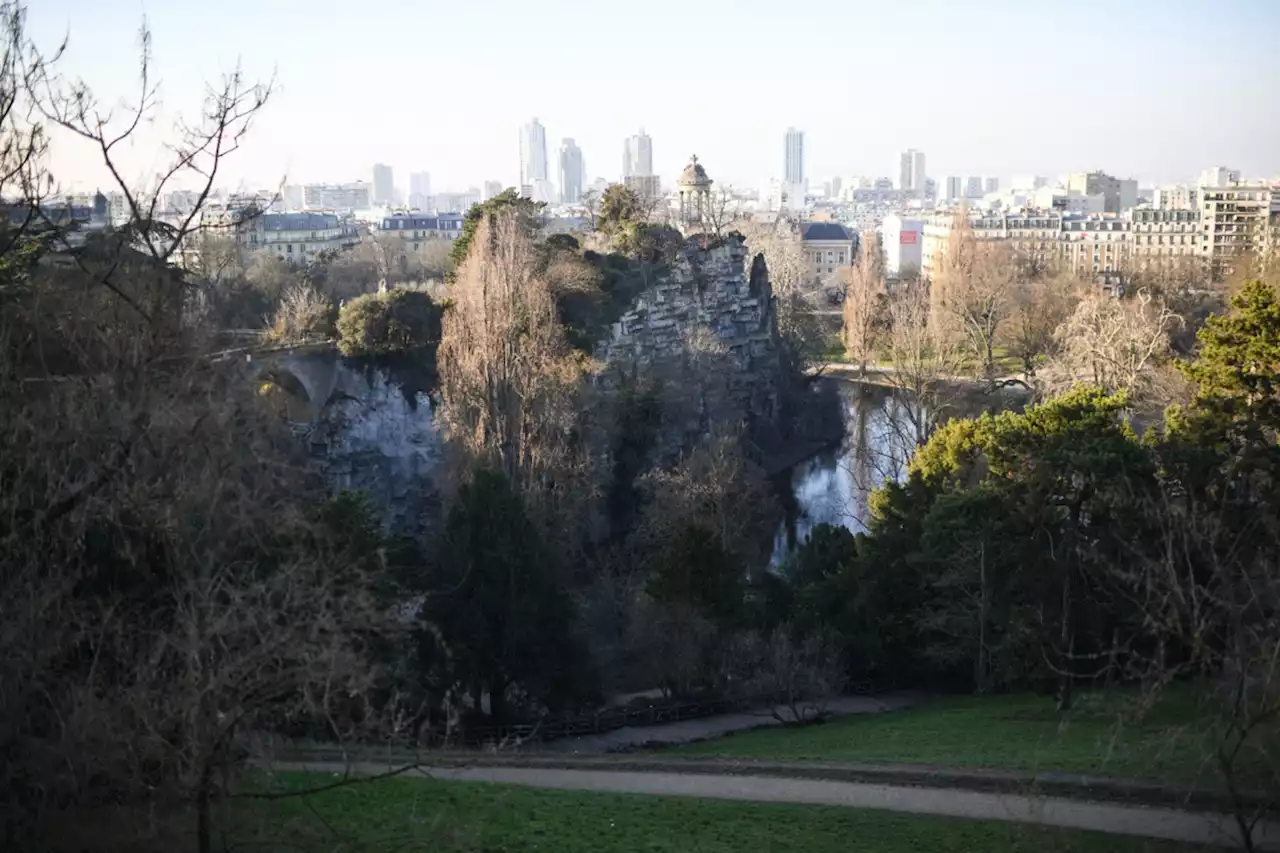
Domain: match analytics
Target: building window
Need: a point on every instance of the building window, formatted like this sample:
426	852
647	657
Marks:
289	249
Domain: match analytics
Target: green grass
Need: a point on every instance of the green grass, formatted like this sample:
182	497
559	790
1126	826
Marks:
1015	732
403	814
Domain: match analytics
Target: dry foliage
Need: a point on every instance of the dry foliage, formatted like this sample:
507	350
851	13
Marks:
509	382
972	292
303	315
925	361
863	293
1040	306
717	486
169	588
1112	344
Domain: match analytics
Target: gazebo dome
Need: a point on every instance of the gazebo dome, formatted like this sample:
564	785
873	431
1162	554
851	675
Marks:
694	175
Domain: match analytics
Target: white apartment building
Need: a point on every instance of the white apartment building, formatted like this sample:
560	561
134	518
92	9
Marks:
1118	195
1236	219
344	198
902	239
1105	246
1218	176
296	238
1180	197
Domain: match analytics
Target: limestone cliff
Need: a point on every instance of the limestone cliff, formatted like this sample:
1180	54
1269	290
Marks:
707	331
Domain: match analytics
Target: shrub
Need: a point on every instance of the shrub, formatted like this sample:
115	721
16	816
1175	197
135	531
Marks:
395	321
303	314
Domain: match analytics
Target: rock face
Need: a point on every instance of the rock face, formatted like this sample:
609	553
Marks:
708	333
383	442
363	431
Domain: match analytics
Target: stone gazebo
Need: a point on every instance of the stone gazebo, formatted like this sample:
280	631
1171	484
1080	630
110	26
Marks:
695	196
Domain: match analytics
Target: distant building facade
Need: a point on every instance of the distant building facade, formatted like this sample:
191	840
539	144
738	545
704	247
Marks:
420	190
296	238
353	196
384	185
828	247
793	160
902	239
1117	194
533	158
911	173
637	156
573	172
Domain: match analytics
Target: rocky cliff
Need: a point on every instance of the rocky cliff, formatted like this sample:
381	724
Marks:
707	332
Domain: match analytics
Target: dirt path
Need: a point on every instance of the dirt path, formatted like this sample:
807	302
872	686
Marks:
1169	824
703	728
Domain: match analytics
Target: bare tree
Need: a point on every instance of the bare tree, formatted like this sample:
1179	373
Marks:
796	675
1040	306
1112	343
925	363
507	378
864	293
972	292
168	589
197	156
779	242
1208	593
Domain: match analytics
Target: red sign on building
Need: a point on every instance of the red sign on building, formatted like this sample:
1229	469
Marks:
908	237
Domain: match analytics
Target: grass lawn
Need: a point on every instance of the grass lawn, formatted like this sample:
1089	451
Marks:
1017	732
404	814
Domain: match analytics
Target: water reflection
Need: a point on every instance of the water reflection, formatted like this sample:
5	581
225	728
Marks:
833	487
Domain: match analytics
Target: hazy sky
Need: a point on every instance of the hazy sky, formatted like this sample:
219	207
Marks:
1153	89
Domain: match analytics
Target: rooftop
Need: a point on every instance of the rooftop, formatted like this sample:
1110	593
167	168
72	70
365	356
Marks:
825	231
299	221
694	174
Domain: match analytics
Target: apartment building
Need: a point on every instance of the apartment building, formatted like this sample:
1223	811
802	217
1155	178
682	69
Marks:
415	229
348	197
296	238
1237	219
1100	247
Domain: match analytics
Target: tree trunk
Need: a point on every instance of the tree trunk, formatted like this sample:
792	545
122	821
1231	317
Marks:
204	795
1067	641
498	702
980	673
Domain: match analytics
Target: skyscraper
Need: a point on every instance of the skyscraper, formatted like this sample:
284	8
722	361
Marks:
793	171
637	156
491	189
420	190
533	153
384	185
573	173
955	188
911	174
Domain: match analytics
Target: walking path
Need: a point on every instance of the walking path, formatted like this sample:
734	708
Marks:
704	728
1144	821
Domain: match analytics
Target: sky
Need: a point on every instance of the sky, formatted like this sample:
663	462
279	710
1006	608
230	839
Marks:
1152	89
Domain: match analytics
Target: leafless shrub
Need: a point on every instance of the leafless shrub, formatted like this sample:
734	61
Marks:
1111	343
303	315
794	675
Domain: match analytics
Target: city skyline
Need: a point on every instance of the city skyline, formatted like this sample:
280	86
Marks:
1006	118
